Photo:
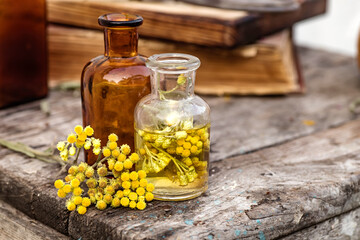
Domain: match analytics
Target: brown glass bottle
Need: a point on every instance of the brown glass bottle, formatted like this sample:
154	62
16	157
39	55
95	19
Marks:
23	57
113	83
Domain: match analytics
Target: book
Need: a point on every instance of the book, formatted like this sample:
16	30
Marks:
183	22
268	66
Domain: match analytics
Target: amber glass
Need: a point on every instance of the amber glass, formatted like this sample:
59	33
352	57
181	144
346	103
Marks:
23	68
113	83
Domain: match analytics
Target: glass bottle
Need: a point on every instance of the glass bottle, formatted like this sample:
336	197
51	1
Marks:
23	55
172	128
113	83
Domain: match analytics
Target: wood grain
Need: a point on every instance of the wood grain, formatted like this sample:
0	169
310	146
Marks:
15	225
183	22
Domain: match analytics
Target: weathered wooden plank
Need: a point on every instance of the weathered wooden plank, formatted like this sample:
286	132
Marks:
345	226
15	225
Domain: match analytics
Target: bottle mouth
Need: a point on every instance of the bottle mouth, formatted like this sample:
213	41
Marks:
174	63
120	20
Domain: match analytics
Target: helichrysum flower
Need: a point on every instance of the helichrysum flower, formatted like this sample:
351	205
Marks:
106	152
71	138
89	172
109	190
89	131
111	163
108	198
102	171
68	178
142	151
81	210
60	146
180	134
64	154
78	129
72	151
149	196
135	184
80	176
113	137
119	194
126	184
102	182
96	142
96	151
187	145
142	174
134	176
128	164
134	157
132	204
101	205
86	202
125	176
77	191
126	192
61	193
141	205
115	153
77	200
133	196
143	182
87	145
119	166
75	182
66	188
150	187
140	191
82	167
73	170
59	184
125	149
112	145
70	206
115	202
124	201
121	157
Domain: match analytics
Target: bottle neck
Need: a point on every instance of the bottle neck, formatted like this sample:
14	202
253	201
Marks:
121	42
172	86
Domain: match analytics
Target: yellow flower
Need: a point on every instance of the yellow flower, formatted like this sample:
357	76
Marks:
61	193
150	187
78	129
72	151
179	150
125	149
99	196
142	151
134	157
141	205
89	172
187	145
119	166
115	202
102	171
89	131
73	170
124	201
96	151
60	146
133	196
140	191
200	131
142	174
135	184
82	167
109	190
77	191
112	145
181	80
101	205
194	140
180	142
92	191
79	143
125	176
115	153
75	182
143	182
126	192
103	182
149	196
77	200
71	138
70	206
141	199
80	176
116	173
180	135
64	154
119	194
108	198
132	204
122	157
205	137
185	153
113	137
126	184
59	184
171	150
128	164
96	142
193	149
199	144
86	202
188	161
87	145
81	210
66	188
106	152
134	176
68	178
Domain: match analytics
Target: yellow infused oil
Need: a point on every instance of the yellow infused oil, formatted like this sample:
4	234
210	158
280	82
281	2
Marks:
176	162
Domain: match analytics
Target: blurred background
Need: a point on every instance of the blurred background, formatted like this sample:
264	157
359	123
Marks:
335	31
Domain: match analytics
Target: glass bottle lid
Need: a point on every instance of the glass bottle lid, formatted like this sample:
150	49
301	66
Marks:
120	20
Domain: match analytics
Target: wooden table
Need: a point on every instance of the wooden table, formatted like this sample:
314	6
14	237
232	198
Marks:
281	167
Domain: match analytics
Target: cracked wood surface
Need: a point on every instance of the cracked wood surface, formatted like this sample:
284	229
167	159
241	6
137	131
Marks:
310	174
